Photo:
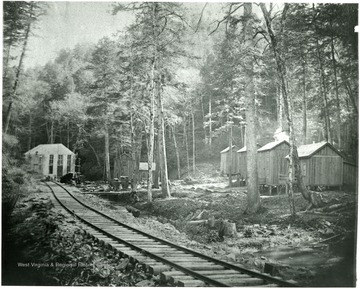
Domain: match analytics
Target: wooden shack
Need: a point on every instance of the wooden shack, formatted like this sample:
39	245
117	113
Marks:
321	164
144	171
242	163
350	174
225	161
53	160
272	163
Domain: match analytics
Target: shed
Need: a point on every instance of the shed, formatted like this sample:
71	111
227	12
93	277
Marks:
321	164
242	162
143	171
53	160
224	160
272	163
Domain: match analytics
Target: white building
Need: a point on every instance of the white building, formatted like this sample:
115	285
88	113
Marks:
53	160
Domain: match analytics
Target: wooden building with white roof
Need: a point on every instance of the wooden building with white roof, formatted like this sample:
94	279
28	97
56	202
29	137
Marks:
321	164
225	161
54	160
272	163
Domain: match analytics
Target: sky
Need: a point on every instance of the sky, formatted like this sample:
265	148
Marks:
69	23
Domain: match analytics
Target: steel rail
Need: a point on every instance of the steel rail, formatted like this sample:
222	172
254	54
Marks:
147	253
237	268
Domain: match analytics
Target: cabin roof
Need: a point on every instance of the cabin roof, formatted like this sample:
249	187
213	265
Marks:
272	145
47	149
227	149
242	150
306	151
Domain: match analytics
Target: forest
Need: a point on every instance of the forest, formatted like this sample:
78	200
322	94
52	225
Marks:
181	83
169	87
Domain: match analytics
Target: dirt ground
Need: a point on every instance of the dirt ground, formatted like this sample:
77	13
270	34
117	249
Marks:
314	248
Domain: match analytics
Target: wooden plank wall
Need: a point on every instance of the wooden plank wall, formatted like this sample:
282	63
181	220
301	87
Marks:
271	163
241	167
224	163
325	168
350	174
223	158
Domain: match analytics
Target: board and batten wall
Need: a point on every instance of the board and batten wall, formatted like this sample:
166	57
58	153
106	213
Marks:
41	164
224	162
271	163
324	168
242	163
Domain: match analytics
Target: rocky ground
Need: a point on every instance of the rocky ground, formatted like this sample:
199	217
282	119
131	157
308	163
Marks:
315	248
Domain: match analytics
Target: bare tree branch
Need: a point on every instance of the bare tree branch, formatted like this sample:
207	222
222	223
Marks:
201	15
226	17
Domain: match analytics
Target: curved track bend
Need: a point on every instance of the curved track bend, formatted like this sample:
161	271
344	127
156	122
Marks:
177	265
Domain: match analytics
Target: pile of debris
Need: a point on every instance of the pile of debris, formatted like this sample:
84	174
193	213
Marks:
88	186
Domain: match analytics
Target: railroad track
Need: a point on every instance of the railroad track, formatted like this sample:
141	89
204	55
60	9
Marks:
177	265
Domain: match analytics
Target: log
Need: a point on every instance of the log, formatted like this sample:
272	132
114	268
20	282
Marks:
198	222
135	212
334	207
198	217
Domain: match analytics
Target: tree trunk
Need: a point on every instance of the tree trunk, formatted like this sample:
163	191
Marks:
107	154
177	154
230	159
253	196
96	155
280	106
210	124
7	58
154	17
304	105
322	85
187	147
133	154
157	153
18	70
60	134
193	139
30	131
294	163
227	229
287	105
68	134
350	93
203	116
136	163
162	147
52	132
338	117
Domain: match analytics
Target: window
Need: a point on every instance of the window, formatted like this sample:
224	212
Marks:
60	160
40	163
68	164
51	164
60	164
